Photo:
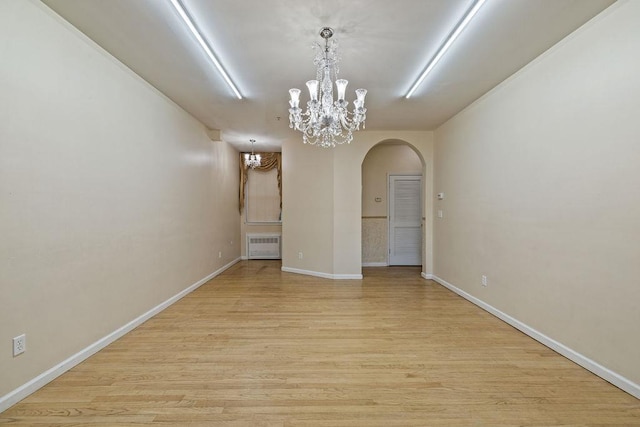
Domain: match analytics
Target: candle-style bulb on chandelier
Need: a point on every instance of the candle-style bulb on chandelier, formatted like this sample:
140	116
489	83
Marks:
252	160
327	122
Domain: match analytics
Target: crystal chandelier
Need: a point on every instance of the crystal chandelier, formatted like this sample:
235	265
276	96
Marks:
326	122
252	160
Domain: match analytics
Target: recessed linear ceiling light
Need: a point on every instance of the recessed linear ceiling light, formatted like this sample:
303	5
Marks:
187	20
447	44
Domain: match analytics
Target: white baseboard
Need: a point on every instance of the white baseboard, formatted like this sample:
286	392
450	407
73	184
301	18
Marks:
347	276
375	264
46	377
323	275
601	371
427	276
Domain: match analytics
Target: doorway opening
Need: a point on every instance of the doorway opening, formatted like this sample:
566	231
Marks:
392	205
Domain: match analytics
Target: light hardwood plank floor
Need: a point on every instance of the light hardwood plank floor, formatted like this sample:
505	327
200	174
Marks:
258	347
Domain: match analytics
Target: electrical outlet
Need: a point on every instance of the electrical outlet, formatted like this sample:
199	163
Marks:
19	344
484	281
300	255
220	254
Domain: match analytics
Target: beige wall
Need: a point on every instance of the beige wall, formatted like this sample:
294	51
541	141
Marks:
380	162
322	201
541	181
259	228
307	207
112	198
255	229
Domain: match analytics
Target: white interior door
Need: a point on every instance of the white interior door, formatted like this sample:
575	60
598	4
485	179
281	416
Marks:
405	220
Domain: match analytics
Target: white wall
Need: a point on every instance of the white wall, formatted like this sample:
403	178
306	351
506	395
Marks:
112	198
322	202
541	178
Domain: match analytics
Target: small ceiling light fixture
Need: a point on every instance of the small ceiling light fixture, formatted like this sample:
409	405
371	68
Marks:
252	160
205	46
447	44
326	122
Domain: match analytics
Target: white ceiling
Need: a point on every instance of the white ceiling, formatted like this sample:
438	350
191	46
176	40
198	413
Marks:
265	46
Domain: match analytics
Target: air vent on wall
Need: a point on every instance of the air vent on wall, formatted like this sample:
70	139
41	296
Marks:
262	246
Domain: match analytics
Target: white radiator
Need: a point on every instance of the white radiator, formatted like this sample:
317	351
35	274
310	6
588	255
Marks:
263	246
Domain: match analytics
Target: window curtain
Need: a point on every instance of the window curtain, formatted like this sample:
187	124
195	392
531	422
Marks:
267	162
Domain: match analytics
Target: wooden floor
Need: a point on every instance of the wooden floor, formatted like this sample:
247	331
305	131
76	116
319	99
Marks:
258	347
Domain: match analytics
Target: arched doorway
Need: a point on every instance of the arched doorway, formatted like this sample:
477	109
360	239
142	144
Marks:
385	163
